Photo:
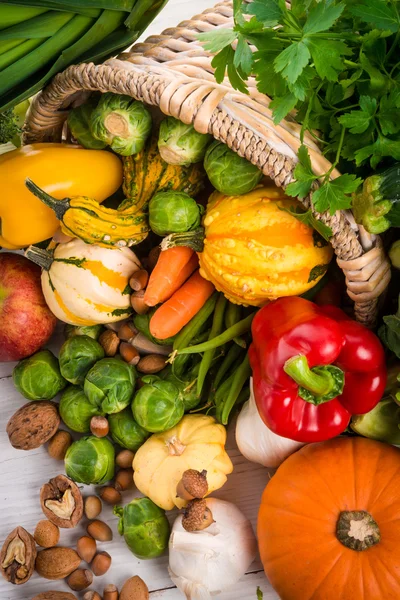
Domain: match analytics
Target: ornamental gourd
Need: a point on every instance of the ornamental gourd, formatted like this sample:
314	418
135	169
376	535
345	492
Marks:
85	284
255	250
197	442
329	522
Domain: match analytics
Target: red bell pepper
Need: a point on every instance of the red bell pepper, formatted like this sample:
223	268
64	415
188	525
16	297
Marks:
313	368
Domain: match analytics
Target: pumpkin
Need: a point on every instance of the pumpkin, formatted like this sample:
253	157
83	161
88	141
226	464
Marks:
85	284
146	173
255	250
329	522
197	442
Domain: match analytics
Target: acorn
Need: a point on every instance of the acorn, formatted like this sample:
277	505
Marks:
192	485
197	515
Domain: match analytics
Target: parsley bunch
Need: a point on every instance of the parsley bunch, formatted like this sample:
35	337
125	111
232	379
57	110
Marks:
337	64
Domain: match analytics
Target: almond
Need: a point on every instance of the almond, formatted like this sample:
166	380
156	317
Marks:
33	424
134	589
57	563
46	534
150	364
55	596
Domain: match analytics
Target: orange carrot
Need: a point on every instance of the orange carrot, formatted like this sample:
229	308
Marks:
176	312
173	267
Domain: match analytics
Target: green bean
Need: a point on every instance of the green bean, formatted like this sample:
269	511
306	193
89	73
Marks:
194	326
231	356
232	315
216	328
238	329
240	376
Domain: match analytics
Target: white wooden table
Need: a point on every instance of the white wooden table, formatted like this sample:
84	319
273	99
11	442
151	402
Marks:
23	473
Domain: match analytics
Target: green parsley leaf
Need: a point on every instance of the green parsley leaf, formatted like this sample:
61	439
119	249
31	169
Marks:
358	121
368	105
217	40
267	12
260	595
389	113
291	61
268	81
243	58
220	63
237	77
303	174
322	16
308	218
383	146
327	57
333	195
281	106
377	12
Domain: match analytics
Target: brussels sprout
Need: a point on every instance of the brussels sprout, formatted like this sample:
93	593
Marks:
187	391
181	144
381	423
158	405
144	526
142	324
121	122
92	331
173	212
125	431
90	460
228	172
110	384
77	356
38	377
79	125
76	410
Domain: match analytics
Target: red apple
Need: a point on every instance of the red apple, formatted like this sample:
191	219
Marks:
26	322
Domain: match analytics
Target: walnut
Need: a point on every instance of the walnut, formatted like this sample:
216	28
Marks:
61	502
18	556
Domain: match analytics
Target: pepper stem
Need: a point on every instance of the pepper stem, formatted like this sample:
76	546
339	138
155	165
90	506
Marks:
316	385
193	239
43	258
60	207
357	530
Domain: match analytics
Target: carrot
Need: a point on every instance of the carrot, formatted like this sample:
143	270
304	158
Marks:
185	303
173	267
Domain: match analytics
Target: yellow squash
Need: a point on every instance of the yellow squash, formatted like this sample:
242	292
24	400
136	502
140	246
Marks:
255	251
59	169
197	442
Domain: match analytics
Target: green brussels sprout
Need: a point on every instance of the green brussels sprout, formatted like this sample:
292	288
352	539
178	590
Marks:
142	324
110	384
158	405
79	125
181	144
228	172
92	331
381	423
144	526
187	391
76	410
125	431
173	212
90	460
77	356
121	122
38	377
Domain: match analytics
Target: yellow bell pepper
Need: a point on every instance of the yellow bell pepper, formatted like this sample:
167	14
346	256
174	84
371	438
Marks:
61	170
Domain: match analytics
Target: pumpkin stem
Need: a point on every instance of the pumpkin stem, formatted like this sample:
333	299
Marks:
316	385
357	530
60	207
193	239
175	447
43	258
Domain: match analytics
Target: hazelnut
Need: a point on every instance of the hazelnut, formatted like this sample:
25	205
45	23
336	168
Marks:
90	595
134	587
127	331
86	547
139	280
93	507
80	579
110	592
192	485
62	502
138	303
17	558
123	479
124	459
129	353
197	515
101	563
59	444
99	426
109	340
100	531
46	534
150	364
110	495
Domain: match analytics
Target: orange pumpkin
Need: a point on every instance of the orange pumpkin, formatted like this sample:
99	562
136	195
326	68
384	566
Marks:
329	523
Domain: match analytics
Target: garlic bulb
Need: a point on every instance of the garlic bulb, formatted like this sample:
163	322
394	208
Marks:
257	442
204	563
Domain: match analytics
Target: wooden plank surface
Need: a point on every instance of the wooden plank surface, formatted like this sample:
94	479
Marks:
23	473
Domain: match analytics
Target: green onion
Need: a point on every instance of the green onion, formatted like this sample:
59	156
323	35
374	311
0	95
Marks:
7	45
42	26
12	56
11	15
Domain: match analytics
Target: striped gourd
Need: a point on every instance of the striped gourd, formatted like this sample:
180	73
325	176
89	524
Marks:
85	284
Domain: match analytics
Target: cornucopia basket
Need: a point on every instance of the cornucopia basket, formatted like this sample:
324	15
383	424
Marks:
173	72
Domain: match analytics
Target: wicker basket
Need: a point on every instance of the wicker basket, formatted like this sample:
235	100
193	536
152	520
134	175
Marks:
173	72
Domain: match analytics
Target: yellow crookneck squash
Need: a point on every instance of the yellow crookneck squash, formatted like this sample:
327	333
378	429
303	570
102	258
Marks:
59	169
85	284
255	250
197	442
